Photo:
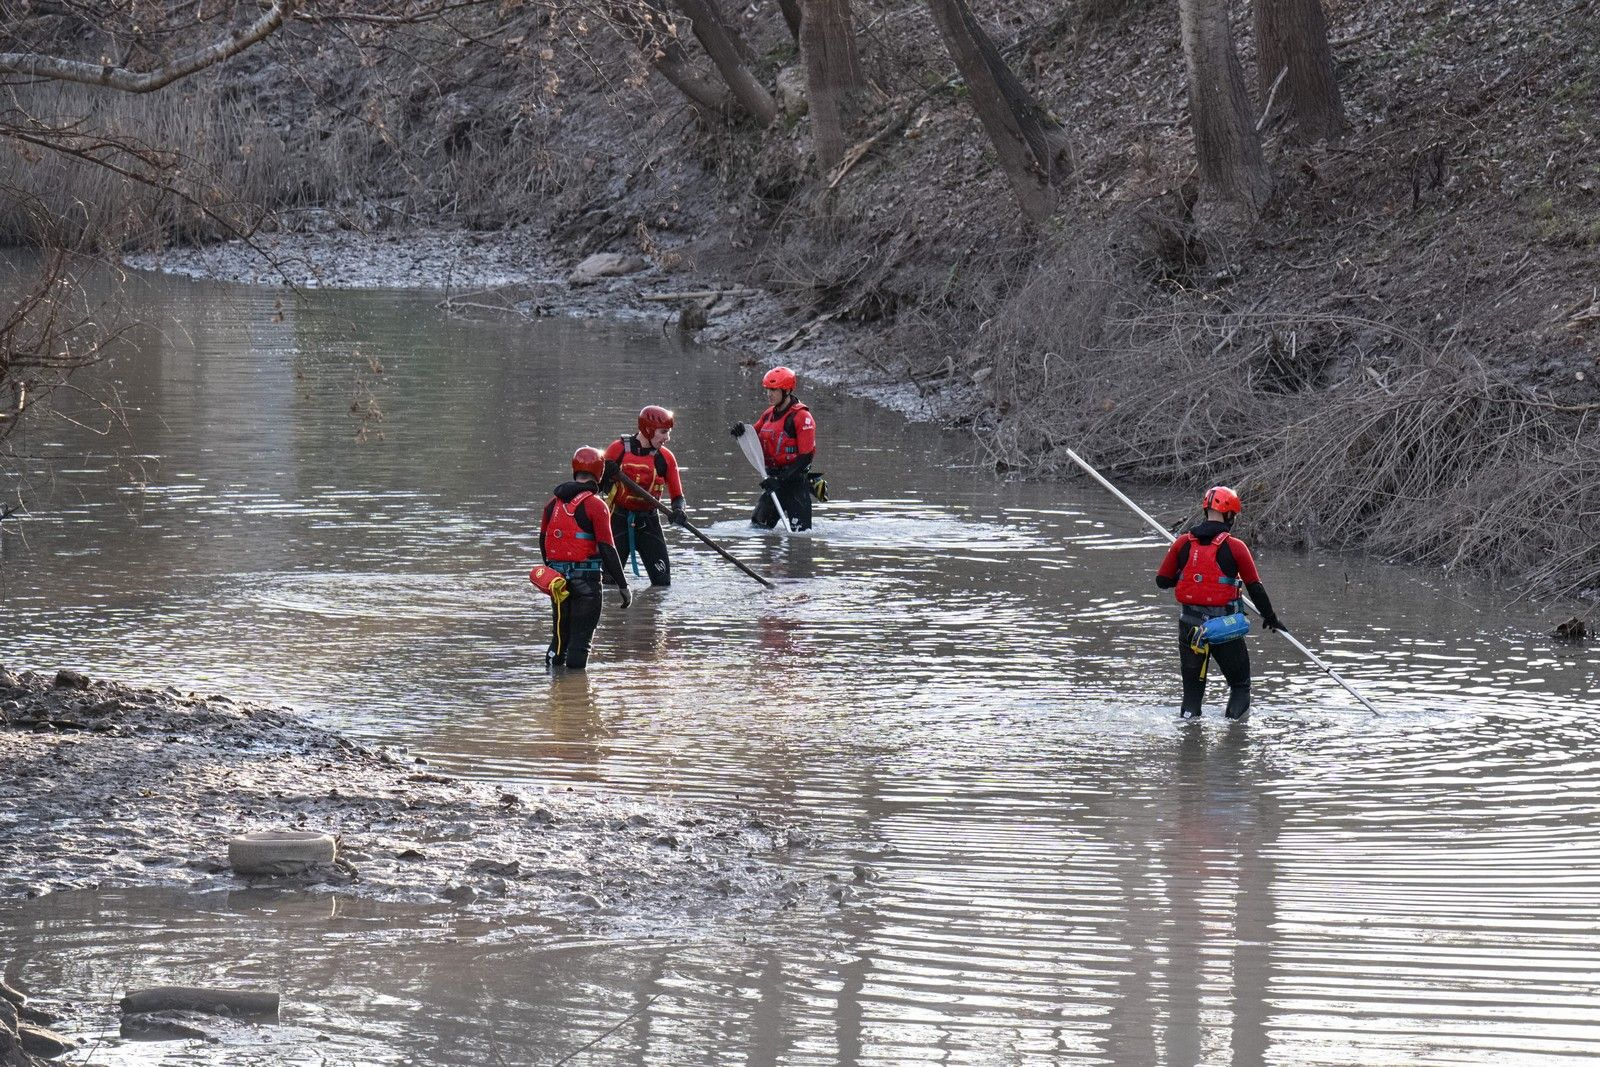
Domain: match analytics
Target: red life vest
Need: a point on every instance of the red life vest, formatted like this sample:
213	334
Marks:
648	469
569	532
1202	581
781	434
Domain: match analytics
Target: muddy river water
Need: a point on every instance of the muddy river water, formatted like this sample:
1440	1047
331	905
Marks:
966	688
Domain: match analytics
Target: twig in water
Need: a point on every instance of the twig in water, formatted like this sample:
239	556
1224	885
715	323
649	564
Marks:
634	1014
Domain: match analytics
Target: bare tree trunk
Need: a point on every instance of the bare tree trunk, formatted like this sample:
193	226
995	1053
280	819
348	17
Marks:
651	31
1292	37
674	65
1032	146
1234	180
792	16
833	75
727	51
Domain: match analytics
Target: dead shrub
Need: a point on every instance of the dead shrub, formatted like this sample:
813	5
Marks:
110	170
1342	431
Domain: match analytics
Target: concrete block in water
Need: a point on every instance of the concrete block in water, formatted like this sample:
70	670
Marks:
255	1003
280	852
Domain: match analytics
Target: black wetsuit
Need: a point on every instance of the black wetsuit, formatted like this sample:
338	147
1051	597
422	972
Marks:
794	492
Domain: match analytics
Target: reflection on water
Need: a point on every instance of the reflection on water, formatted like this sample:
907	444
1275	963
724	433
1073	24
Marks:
969	687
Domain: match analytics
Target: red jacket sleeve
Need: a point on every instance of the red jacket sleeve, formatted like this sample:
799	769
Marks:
1246	562
805	432
1169	562
600	515
613	451
674	481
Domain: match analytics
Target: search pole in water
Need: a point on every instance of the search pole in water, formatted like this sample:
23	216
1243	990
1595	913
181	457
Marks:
724	553
1164	532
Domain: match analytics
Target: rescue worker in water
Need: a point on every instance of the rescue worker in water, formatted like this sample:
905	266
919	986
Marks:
1205	567
788	436
635	525
575	538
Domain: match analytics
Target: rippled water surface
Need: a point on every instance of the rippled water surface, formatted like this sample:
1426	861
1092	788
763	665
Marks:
968	688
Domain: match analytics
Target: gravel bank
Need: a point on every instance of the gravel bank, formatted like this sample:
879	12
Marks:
113	786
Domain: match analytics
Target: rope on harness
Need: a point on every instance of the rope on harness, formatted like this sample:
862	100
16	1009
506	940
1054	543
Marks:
633	549
1200	647
555	642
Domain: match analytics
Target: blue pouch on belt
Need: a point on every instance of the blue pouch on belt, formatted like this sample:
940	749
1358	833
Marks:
1225	628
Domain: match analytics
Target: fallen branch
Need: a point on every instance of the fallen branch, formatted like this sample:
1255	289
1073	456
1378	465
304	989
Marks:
698	294
805	331
1271	96
453	305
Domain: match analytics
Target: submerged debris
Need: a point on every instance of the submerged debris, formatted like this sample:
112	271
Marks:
1574	629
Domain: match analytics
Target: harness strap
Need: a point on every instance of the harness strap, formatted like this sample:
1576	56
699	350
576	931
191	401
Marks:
633	550
558	648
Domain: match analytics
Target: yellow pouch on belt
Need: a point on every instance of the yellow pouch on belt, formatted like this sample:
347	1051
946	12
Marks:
549	581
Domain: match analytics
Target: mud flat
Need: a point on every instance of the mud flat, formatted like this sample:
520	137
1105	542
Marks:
112	786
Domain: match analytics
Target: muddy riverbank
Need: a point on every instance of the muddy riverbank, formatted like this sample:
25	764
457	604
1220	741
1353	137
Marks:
114	786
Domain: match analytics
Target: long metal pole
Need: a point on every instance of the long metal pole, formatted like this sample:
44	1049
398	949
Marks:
642	491
1164	532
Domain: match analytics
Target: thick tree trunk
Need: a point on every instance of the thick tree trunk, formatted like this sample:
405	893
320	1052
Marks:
1032	146
1234	180
833	75
791	16
1292	38
727	51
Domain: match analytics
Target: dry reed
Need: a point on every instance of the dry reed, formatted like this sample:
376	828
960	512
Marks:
1342	431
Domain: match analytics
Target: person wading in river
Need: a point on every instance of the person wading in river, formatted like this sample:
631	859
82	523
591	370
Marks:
635	525
788	436
575	538
1205	567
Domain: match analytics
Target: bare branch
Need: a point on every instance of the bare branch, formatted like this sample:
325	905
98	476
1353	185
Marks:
37	65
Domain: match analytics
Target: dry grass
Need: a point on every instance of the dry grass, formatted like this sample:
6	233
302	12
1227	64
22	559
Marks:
1342	431
185	165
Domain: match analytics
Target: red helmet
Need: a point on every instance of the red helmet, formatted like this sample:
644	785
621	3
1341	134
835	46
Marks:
654	418
588	460
779	378
1221	498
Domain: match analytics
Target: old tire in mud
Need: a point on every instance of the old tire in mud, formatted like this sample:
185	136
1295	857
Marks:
280	852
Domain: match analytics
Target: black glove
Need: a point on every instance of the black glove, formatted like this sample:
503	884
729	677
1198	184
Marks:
736	430
609	473
678	516
770	484
627	597
1271	621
